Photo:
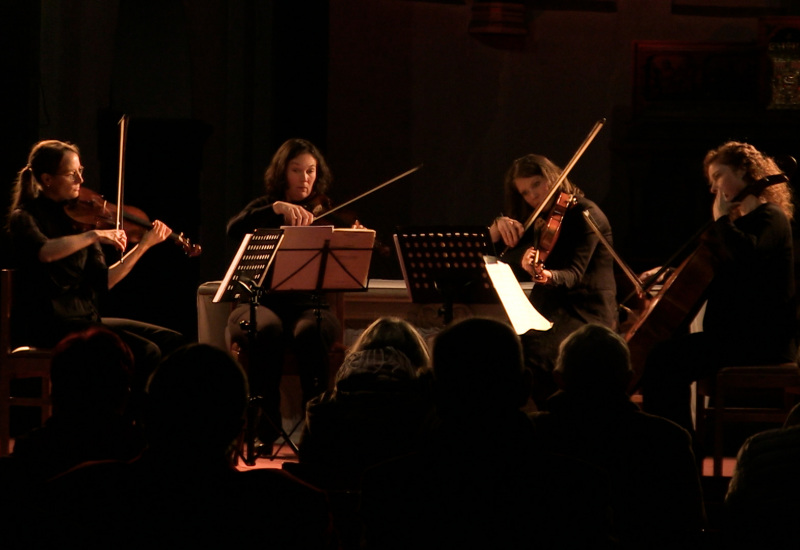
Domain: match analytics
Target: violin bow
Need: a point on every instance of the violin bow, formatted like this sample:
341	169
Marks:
362	195
123	132
564	173
637	283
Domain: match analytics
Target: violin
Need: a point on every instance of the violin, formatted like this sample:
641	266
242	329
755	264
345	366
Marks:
551	230
91	211
563	176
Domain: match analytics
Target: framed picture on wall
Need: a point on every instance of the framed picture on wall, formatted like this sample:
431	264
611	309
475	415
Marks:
733	8
575	5
686	76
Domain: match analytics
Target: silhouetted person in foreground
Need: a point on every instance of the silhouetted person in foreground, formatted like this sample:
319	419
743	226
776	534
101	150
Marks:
184	491
90	376
656	495
762	506
379	408
485	480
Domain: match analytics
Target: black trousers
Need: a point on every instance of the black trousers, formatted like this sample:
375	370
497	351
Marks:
308	333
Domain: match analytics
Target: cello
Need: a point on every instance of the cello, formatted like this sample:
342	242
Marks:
682	295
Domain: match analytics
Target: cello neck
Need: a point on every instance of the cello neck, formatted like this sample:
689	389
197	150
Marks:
756	188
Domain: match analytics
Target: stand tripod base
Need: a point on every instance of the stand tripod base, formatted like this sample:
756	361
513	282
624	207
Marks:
248	449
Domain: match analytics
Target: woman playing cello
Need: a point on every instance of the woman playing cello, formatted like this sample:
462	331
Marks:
575	284
750	316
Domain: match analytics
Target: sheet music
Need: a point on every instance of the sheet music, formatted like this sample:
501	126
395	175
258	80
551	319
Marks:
298	262
520	311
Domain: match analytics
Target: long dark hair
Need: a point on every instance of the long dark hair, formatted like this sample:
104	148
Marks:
275	175
526	167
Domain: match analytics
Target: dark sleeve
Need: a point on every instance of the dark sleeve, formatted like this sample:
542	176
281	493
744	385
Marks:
26	236
763	231
256	215
582	242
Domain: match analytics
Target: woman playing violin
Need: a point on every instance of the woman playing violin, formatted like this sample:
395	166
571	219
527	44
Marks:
296	181
62	273
750	316
575	284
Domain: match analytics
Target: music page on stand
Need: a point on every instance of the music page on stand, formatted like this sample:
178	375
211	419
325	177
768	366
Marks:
520	311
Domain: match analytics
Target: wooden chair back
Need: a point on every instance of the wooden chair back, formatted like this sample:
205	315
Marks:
16	364
739	381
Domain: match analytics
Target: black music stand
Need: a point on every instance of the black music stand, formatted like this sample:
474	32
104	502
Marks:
246	276
250	265
314	259
446	265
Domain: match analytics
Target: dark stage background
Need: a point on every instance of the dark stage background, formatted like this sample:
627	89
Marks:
213	87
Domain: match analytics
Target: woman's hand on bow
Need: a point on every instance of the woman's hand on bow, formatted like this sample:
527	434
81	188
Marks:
293	214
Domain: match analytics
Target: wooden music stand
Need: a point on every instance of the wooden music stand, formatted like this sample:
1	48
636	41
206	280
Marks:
321	258
246	275
313	258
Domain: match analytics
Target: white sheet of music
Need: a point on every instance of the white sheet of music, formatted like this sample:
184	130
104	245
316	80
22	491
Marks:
520	311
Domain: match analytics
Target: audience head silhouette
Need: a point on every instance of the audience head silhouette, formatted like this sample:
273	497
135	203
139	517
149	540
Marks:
196	399
593	359
398	334
389	355
479	361
90	373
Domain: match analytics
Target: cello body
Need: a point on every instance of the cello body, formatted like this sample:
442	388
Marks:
673	308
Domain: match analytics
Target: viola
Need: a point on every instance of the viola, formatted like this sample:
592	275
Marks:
91	211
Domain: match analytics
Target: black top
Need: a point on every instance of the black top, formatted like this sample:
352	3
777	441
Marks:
582	268
751	298
258	214
49	294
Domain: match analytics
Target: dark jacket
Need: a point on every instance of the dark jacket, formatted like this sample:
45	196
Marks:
655	487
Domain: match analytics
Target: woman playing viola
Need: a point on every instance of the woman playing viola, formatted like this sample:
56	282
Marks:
62	273
296	181
750	316
575	285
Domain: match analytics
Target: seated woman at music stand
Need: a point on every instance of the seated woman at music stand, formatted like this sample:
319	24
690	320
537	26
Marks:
296	182
575	284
